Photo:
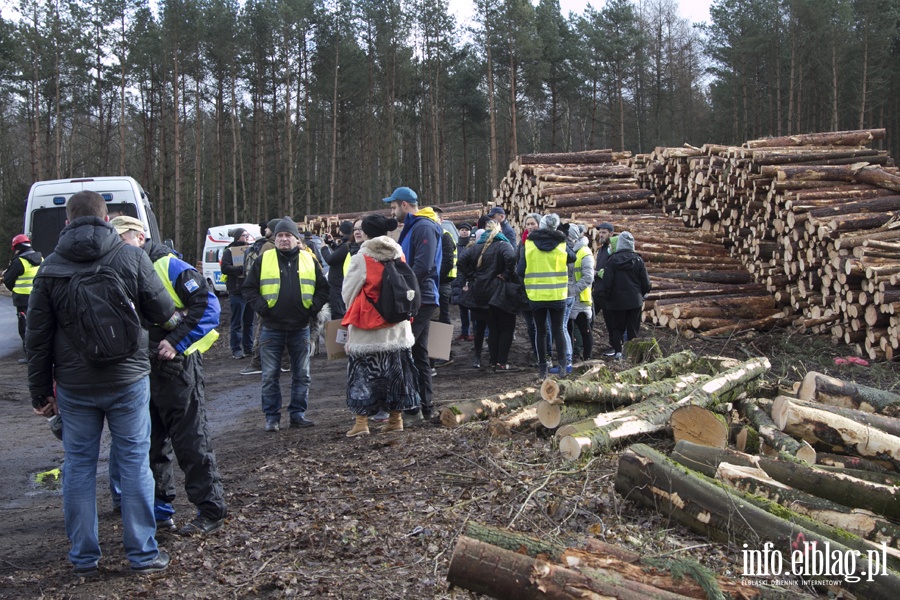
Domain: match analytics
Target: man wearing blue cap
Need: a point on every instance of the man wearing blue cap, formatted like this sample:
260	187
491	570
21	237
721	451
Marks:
421	243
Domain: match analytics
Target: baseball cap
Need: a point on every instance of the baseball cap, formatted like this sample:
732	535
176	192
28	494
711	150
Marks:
403	194
123	224
497	211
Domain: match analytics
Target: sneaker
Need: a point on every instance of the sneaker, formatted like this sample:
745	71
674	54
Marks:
161	563
252	371
553	370
507	368
568	369
427	414
609	352
381	416
476	364
166	525
433	372
461	338
410	417
618	356
442	363
272	426
470	338
202	525
22	361
284	370
301	421
237	355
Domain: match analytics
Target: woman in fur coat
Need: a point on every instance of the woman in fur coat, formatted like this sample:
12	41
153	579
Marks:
380	369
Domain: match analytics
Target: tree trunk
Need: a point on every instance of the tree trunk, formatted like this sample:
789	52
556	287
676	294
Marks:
557	391
334	128
772	434
755	481
653	415
455	415
836	392
517	419
648	477
843	489
833	138
835	431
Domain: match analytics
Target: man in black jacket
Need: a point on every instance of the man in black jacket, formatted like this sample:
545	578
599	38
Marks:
19	278
287	289
85	395
338	263
241	314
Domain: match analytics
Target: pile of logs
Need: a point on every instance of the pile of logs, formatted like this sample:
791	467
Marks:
816	464
458	212
813	217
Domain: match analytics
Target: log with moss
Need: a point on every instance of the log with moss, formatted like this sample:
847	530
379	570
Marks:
719	512
556	391
456	414
838	487
669	366
519	418
552	416
772	434
817	387
835	431
864	524
651	416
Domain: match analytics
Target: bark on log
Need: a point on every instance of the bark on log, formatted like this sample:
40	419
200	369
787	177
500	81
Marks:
517	419
722	513
653	415
552	416
837	392
861	523
858	463
473	410
615	394
772	434
834	138
486	569
889	425
840	488
823	427
514	541
670	366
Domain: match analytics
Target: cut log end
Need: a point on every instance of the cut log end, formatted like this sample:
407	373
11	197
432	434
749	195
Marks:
571	447
700	426
449	417
550	391
549	414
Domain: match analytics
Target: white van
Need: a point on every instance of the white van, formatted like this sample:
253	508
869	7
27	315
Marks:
217	239
45	210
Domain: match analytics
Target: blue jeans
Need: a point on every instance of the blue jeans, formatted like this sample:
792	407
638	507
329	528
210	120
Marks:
570	302
271	346
127	413
241	324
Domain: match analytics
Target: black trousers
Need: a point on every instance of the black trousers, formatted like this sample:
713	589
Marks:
502	327
179	430
444	291
559	336
621	321
420	327
583	323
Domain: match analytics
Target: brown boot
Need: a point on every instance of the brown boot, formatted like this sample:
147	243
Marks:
395	422
360	428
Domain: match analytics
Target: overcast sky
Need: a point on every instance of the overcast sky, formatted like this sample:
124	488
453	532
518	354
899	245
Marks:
694	11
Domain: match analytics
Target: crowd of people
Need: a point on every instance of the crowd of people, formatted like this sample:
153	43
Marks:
282	285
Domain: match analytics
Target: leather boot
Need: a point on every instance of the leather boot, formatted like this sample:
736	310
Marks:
395	422
360	428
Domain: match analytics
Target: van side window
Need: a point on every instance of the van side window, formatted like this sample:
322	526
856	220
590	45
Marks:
212	255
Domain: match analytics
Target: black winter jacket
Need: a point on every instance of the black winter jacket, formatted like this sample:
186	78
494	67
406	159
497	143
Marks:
625	281
15	270
288	313
498	259
50	355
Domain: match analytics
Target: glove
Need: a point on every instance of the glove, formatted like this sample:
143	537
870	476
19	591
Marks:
168	369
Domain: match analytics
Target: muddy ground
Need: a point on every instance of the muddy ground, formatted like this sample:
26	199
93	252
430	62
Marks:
315	514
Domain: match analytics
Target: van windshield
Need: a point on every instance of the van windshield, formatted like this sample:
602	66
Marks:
47	223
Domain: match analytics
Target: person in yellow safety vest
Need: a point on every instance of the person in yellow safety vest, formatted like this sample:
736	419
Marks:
287	289
177	413
580	288
543	269
338	264
19	278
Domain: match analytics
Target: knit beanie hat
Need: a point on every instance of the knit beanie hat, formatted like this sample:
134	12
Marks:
550	221
346	228
286	224
271	226
376	225
575	232
626	242
237	233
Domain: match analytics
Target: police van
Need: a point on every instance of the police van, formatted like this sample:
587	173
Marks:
217	239
45	209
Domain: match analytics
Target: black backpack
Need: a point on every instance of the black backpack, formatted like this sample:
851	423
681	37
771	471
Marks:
400	297
99	318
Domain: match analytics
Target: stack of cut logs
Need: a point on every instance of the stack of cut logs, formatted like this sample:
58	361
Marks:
458	212
816	464
813	217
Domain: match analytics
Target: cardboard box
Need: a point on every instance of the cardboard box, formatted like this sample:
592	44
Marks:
440	336
335	338
237	255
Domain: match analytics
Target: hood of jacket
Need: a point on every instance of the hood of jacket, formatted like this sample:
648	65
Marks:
546	239
32	256
86	239
427	213
381	248
156	251
626	260
581	243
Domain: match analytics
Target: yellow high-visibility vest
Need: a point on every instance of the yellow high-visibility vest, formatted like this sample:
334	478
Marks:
347	263
546	276
25	282
270	278
452	273
161	266
585	295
